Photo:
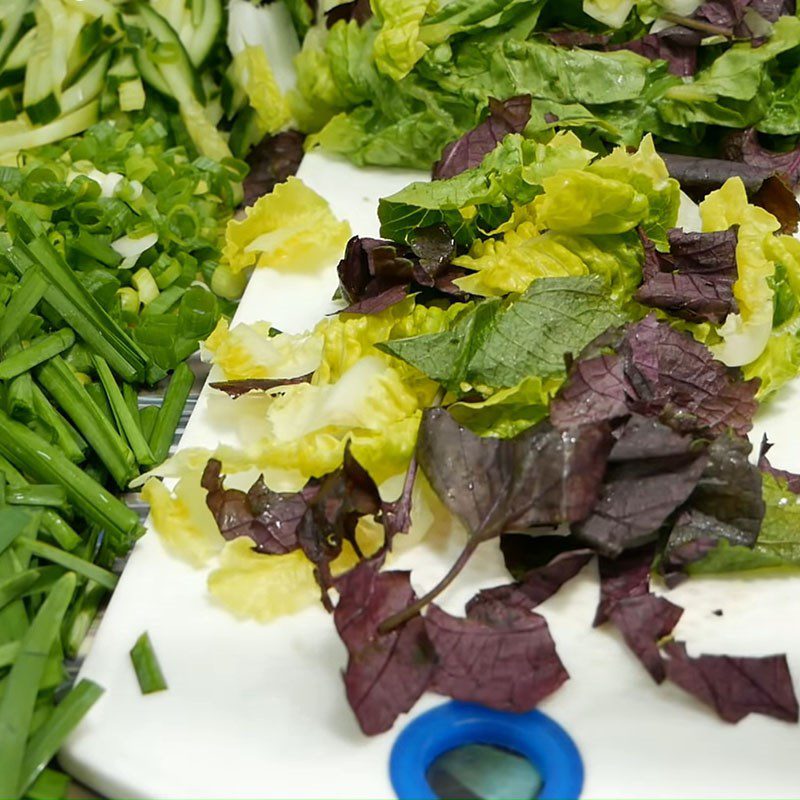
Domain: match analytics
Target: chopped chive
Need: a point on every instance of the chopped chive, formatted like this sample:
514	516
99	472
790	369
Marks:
13	588
94	247
29	292
8	653
148	416
48	464
126	421
19	399
39	351
169	416
148	671
132	401
71	299
19	698
69	561
47	741
95	391
37	494
68	439
15	522
62	385
86	611
60	531
50	785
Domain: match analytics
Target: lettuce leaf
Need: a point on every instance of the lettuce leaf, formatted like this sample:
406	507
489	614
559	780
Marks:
744	335
290	227
252	74
482	197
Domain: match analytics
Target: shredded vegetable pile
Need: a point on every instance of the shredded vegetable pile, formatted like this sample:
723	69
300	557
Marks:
394	81
552	348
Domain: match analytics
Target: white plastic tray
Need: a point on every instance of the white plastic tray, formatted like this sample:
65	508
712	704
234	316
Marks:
259	710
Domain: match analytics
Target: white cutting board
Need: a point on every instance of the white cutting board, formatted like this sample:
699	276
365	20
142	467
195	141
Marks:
259	711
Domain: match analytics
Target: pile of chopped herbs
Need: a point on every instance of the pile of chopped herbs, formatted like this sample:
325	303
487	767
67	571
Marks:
538	342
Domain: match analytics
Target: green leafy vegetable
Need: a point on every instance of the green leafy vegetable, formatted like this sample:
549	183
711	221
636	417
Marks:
145	663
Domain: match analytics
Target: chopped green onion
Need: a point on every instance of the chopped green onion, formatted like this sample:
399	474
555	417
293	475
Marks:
47	741
148	671
145	286
19	698
94	247
169	416
85	613
19	400
148	416
128	302
69	561
15	522
8	654
58	530
62	385
50	785
37	494
95	391
29	292
67	438
13	588
228	284
48	464
126	421
71	300
37	352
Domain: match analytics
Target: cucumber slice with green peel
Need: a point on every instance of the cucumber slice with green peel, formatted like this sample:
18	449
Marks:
13	17
178	72
19	134
8	105
85	47
13	71
206	31
88	86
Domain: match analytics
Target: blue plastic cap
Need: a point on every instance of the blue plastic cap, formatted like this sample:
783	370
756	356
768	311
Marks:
534	736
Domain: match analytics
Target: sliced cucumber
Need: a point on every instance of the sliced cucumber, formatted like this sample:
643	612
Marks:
88	85
8	105
178	73
205	31
85	46
13	15
19	134
14	68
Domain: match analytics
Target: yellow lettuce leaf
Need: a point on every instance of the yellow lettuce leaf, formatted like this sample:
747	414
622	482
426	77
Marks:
290	227
744	335
248	351
256	586
182	519
252	72
397	46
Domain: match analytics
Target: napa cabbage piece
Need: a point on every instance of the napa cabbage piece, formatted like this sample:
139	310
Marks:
251	73
292	227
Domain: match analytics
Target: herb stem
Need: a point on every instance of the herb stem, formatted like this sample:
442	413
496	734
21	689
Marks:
396	620
697	25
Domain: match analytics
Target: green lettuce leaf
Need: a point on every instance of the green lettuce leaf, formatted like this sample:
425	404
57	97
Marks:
482	198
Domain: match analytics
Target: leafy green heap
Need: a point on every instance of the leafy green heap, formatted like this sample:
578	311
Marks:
395	88
586	400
